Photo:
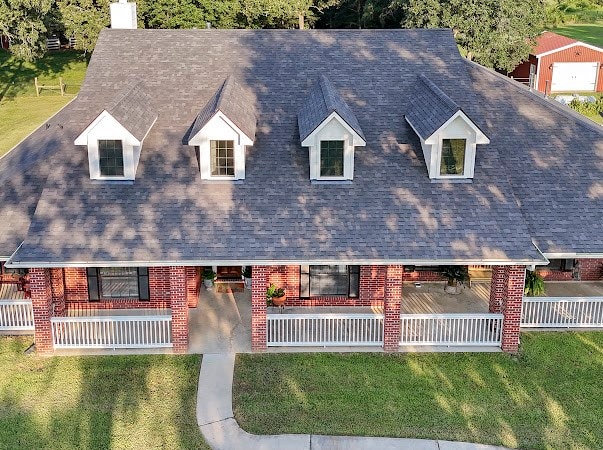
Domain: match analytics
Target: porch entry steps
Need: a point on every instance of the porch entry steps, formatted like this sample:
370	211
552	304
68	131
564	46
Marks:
562	312
451	329
112	332
16	315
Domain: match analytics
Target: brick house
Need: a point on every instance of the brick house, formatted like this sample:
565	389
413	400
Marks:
337	164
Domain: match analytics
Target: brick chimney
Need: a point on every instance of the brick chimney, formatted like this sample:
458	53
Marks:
123	15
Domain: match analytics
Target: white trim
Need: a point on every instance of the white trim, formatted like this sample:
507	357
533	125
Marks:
537	72
565	47
572	255
273	262
357	141
480	136
82	139
230	123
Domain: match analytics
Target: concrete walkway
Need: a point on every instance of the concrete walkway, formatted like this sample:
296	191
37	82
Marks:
222	432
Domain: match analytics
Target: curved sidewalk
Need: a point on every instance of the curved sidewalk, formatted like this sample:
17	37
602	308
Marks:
222	432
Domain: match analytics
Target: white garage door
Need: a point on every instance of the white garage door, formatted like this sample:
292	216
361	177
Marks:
574	76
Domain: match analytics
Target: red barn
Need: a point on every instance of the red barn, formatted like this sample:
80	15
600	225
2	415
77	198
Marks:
562	64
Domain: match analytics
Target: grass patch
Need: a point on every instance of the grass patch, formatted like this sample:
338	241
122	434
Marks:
549	397
590	33
21	111
125	402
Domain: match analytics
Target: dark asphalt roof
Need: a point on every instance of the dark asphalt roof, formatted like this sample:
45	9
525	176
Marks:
322	100
134	110
390	212
234	102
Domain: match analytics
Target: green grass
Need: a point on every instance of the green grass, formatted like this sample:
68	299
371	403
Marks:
125	402
590	33
548	397
21	111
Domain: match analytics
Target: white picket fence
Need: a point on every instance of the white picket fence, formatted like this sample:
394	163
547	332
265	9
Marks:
562	312
451	329
16	315
112	332
324	330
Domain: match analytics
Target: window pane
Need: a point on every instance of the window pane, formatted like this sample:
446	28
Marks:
222	158
453	157
118	282
329	280
331	158
111	158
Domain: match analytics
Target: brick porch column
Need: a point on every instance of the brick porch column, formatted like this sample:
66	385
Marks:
497	288
41	301
178	301
514	279
57	284
258	308
392	300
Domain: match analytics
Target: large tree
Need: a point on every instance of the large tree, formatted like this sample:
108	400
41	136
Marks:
24	23
187	13
494	33
84	19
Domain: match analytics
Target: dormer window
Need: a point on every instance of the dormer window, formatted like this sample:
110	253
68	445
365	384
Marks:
114	139
331	158
328	127
222	158
452	161
111	158
449	138
222	130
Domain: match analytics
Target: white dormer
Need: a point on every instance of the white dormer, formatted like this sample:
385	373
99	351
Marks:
449	138
222	130
115	137
221	149
331	149
450	151
328	127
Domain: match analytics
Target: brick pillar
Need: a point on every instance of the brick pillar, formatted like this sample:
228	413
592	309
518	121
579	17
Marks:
57	284
178	301
497	288
193	280
514	279
258	308
41	300
393	297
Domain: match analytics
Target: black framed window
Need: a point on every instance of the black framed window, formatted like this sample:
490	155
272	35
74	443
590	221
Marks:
107	283
316	281
222	158
111	158
564	265
453	157
331	158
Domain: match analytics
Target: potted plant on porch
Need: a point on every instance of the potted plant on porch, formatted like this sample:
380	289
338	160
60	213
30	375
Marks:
455	275
275	296
208	278
247	277
534	284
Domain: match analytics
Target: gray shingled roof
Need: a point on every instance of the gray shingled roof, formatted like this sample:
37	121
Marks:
390	212
322	100
234	102
134	109
429	107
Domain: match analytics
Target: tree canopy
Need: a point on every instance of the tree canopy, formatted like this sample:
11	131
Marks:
24	23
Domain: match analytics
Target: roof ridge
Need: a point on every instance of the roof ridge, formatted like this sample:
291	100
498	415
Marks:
324	83
553	105
226	85
436	90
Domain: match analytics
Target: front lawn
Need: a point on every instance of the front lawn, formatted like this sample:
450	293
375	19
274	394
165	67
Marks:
549	397
134	402
21	111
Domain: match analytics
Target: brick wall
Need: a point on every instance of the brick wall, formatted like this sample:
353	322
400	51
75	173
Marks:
179	304
589	269
76	291
371	291
394	276
423	275
555	275
193	285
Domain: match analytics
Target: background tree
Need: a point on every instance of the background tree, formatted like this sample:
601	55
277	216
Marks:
494	33
84	19
24	23
187	13
361	14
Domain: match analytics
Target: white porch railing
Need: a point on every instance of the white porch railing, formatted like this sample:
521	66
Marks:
562	312
16	315
324	330
451	329
112	332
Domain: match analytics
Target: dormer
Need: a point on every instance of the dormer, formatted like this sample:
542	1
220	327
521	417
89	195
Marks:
222	130
449	138
329	128
114	139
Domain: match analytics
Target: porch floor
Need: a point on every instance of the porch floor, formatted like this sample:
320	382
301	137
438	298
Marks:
573	288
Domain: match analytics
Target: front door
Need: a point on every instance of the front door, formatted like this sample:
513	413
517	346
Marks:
229	272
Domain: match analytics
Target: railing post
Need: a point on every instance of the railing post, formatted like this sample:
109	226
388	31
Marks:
392	300
41	301
259	341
